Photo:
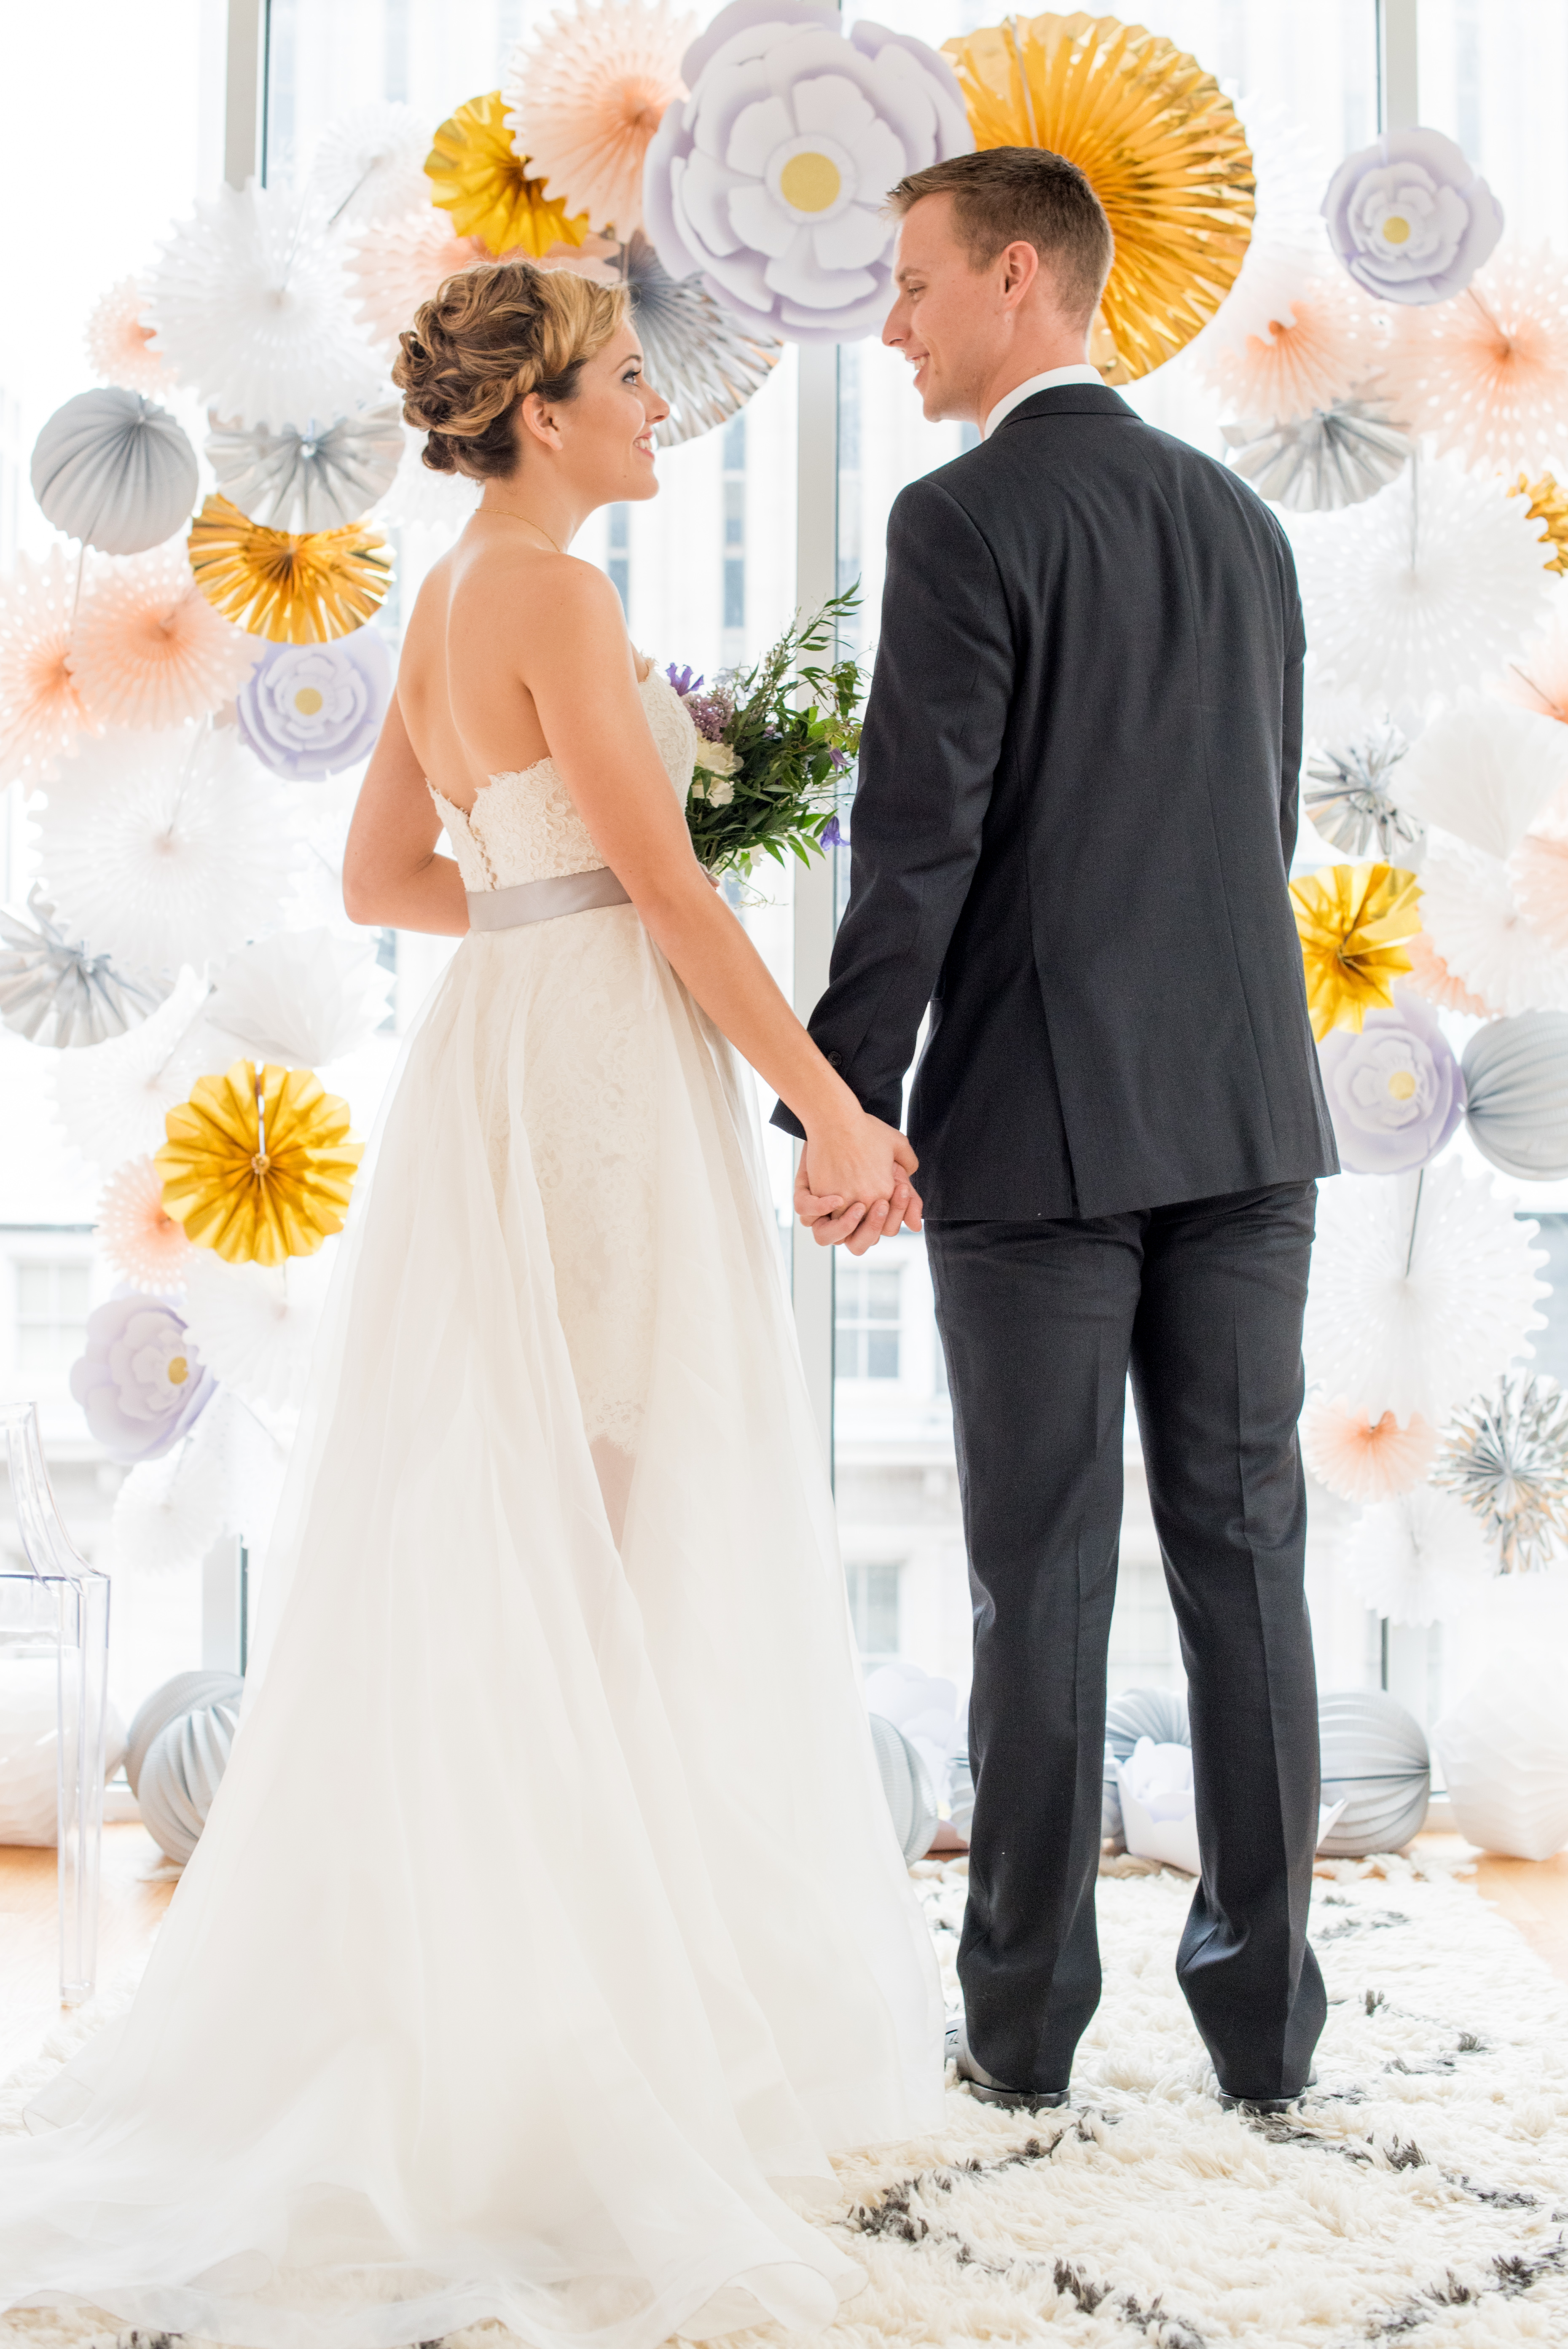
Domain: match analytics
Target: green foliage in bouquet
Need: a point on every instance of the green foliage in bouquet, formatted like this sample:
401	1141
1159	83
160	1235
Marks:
776	749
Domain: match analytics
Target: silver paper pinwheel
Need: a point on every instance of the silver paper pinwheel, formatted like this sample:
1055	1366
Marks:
305	476
53	991
704	359
1347	798
1317	464
1506	1458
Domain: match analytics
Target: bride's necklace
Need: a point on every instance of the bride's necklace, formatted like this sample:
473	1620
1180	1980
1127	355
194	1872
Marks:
529	523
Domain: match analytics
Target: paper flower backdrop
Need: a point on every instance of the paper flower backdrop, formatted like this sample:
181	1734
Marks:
301	997
141	1239
247	299
54	991
1423	1291
295	587
166	848
392	270
1409	218
1516	1084
1417	1558
1506	1459
369	166
304	477
141	1381
42	718
1159	143
149	650
1484	772
1394	1089
1364	1459
256	1324
587	92
770	178
1476	923
112	1101
1347	799
1333	456
1486	374
1352	920
1431	977
115	471
258	1163
479	179
118	342
310	711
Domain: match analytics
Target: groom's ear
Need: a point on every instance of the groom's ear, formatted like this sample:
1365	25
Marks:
1019	263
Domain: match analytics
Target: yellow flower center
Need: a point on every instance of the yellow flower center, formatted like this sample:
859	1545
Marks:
810	182
1396	229
179	1370
307	700
1401	1084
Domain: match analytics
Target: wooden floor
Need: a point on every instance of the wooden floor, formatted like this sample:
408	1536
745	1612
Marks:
1532	1895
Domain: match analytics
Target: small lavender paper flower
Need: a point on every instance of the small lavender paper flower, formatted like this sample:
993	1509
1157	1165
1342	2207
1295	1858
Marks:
310	711
141	1381
1394	1091
1409	219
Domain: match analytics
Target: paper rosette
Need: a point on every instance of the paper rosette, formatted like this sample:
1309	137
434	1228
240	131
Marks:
42	716
1394	1089
112	1101
1537	676
1506	1459
701	357
1473	918
1431	978
1486	374
1546	503
1516	1084
1409	218
1362	1459
293	587
369	166
1322	343
587	92
310	711
256	1323
1418	1557
54	991
1351	920
478	178
117	341
1335	457
1285	249
1346	797
149	652
115	471
305	478
258	1163
1158	141
422	499
392	270
143	1242
1484	770
301	997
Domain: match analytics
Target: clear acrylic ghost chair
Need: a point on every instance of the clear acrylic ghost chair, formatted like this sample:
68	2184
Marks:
60	1603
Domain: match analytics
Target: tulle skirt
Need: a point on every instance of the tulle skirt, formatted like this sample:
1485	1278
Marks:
548	1931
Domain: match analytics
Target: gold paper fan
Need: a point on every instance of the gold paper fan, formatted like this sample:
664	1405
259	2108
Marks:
1547	504
479	177
1159	143
258	1164
296	587
1353	920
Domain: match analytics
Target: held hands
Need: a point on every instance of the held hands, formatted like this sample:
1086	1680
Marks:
853	1183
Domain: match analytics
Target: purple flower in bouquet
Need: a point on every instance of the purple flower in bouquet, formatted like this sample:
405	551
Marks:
1409	219
1394	1091
683	682
141	1381
831	835
310	711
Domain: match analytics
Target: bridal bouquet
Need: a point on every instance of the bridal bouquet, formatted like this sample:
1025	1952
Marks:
776	744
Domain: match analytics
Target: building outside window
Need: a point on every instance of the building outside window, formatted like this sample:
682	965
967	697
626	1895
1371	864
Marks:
51	1304
735	489
874	1605
869	1301
618	566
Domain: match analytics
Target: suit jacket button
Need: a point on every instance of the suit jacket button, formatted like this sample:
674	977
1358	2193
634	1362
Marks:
835	1059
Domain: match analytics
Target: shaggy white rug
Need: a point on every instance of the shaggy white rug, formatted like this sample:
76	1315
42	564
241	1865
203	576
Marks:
1421	2197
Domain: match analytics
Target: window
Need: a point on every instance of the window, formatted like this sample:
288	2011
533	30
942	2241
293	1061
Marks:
874	1605
869	1302
735	486
51	1314
618	538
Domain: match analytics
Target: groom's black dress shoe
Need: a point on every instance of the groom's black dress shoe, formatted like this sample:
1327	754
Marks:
1259	2104
987	2090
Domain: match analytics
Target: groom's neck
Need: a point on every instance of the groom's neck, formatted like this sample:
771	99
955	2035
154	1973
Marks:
1036	354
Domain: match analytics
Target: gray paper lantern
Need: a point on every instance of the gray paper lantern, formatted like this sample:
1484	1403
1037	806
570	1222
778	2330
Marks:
54	991
1516	1084
113	469
915	1815
1374	1761
1158	1713
179	1747
303	477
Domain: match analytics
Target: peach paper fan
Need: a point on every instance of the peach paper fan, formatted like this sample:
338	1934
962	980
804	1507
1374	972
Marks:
1538	677
394	267
1538	872
1478	926
119	347
1362	1458
1487	373
42	714
585	95
150	649
1431	977
141	1239
1320	346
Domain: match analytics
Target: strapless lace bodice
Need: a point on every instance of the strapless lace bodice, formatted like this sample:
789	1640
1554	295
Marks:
524	827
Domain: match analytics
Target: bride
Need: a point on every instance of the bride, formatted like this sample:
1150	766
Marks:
548	1932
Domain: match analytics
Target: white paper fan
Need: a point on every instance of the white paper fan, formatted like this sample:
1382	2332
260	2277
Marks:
1421	1558
170	1512
1290	170
1470	913
167	848
112	1098
1483	770
1415	1309
369	166
1422	590
255	1324
250	309
302	997
424	499
303	477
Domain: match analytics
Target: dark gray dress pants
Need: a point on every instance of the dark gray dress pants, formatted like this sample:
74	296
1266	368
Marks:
1042	1323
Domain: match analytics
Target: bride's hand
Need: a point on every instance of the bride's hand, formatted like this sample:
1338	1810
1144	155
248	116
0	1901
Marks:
853	1185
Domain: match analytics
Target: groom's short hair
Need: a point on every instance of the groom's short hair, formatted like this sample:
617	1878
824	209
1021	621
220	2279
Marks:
1024	195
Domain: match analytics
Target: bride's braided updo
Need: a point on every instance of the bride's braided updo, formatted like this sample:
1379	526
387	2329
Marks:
489	336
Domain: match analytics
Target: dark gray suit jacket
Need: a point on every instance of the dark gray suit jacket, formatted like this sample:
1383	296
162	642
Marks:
1074	823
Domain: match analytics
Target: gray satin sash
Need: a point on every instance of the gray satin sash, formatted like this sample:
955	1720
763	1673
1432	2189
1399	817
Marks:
544	901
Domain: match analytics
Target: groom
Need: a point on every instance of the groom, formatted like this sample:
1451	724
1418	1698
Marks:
1076	815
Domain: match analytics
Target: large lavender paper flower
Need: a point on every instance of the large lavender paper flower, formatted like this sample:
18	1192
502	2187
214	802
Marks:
1394	1091
770	178
310	711
141	1381
1409	218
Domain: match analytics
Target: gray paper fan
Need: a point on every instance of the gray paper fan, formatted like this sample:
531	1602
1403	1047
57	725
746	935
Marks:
1317	464
54	992
699	355
306	477
1347	796
179	1746
1374	1761
113	469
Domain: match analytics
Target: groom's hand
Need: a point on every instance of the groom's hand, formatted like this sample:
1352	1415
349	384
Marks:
834	1221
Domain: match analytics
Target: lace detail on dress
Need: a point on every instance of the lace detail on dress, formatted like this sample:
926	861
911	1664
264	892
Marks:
523	826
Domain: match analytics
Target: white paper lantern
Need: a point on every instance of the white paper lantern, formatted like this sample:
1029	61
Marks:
29	1749
1375	1762
1504	1751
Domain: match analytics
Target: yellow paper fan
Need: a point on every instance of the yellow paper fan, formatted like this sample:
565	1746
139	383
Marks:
479	179
1350	919
296	587
1158	142
258	1164
1547	504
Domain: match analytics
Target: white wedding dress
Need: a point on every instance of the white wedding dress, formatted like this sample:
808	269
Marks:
548	1921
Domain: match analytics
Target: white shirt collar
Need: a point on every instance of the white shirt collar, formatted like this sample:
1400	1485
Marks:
1026	390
